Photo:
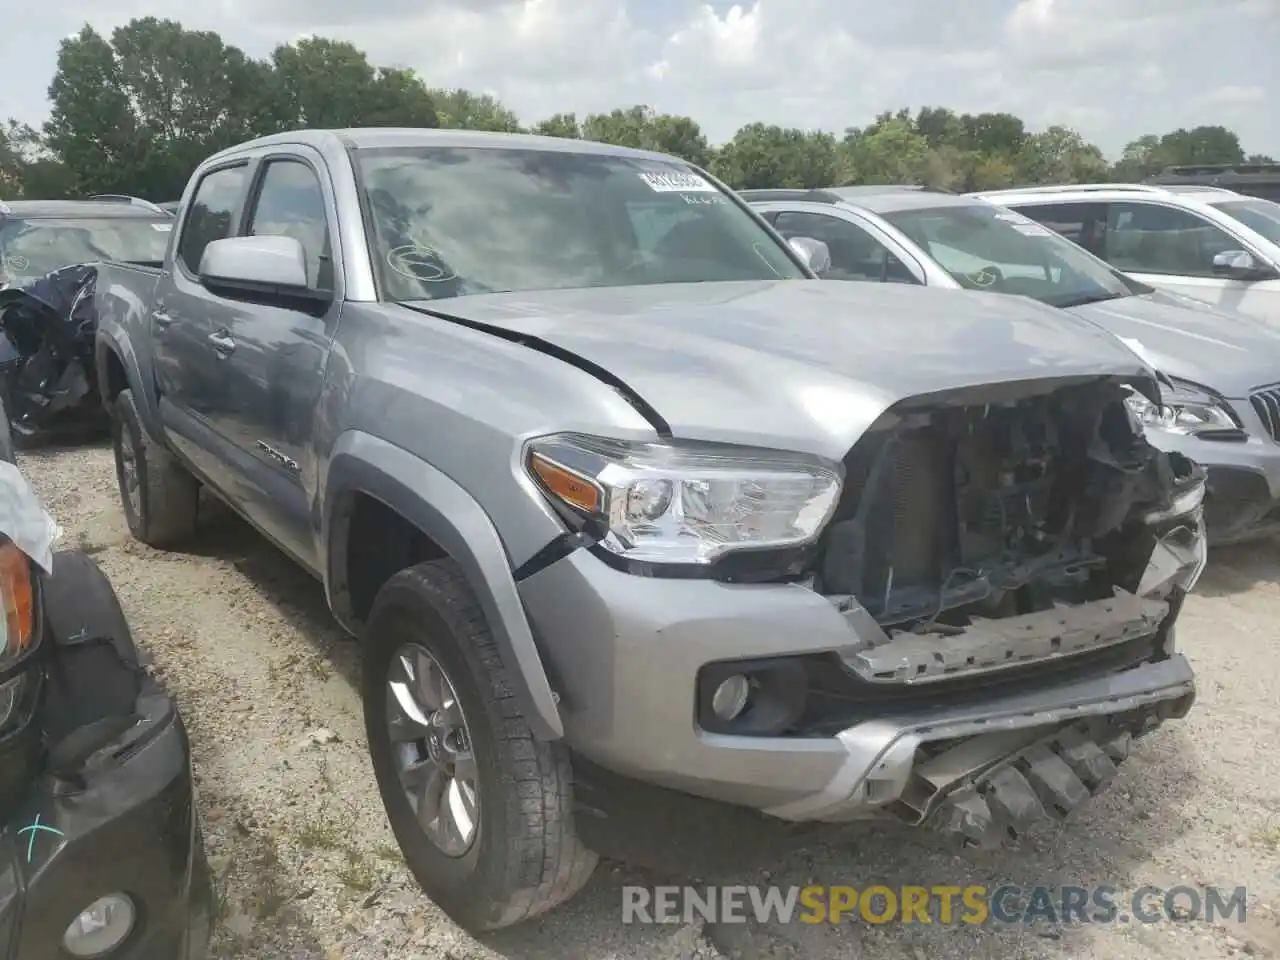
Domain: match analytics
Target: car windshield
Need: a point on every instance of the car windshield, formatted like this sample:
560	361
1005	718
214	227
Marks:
32	248
985	247
450	222
1260	216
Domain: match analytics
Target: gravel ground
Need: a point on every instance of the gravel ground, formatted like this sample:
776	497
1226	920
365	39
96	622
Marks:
306	865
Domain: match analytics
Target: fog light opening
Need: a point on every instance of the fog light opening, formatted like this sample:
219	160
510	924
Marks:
730	698
101	927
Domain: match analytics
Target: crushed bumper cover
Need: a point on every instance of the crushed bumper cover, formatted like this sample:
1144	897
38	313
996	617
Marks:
886	767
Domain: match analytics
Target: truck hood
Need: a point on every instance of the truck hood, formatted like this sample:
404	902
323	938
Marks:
1226	352
798	364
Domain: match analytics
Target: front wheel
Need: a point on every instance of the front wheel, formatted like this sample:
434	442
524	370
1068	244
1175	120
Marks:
483	811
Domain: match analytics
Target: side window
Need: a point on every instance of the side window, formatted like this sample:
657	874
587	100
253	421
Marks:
290	203
1081	223
1150	238
212	215
855	253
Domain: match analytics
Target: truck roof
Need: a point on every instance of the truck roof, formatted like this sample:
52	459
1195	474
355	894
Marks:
365	138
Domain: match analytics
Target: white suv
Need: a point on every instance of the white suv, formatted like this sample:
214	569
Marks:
1212	244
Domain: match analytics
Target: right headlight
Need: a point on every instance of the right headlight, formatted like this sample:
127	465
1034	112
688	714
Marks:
685	503
1186	409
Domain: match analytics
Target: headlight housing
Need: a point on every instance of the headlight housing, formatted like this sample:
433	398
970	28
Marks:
684	503
17	628
1187	409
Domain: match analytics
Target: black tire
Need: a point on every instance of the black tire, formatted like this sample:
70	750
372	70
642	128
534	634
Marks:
526	858
168	494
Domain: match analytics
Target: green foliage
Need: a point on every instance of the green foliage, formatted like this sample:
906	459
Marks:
136	112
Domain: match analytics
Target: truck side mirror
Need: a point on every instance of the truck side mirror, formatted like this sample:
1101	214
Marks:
815	253
259	266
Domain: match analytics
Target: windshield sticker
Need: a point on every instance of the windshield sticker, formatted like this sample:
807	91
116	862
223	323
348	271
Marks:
701	200
1032	230
162	227
419	263
678	182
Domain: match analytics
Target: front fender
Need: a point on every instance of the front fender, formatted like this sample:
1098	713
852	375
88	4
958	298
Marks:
105	345
452	518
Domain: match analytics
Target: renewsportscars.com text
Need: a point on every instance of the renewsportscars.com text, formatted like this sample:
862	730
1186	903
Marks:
972	905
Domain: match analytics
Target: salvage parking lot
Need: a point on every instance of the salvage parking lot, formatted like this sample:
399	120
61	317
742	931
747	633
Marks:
306	866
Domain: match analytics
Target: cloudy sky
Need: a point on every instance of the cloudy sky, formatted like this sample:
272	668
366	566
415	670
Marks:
1114	69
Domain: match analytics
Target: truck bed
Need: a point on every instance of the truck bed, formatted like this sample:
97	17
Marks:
123	302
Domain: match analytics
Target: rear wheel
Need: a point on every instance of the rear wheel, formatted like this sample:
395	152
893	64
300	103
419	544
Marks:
481	809
159	494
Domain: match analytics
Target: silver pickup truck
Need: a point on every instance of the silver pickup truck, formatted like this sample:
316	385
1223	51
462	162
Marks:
606	482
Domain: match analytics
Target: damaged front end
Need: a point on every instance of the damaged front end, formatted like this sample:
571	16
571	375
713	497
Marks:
47	379
981	536
993	543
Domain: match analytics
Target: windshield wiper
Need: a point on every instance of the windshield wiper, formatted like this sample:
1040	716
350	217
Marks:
1088	298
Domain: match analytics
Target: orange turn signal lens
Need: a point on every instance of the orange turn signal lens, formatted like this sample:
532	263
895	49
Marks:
18	596
573	488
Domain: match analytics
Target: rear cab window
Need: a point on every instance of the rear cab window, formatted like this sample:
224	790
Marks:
212	215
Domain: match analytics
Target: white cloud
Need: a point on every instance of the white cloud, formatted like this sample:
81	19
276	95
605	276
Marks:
1233	96
1113	68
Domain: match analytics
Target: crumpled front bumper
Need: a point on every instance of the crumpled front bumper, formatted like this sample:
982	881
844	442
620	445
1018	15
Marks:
887	762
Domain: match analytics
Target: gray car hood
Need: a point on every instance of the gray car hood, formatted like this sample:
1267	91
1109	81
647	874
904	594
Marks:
798	364
1226	352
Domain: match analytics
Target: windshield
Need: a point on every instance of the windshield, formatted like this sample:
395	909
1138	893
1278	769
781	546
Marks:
985	247
32	248
1260	216
450	222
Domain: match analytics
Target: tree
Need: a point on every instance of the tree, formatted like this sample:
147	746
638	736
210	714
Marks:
644	128
561	125
137	111
1201	145
465	110
1141	158
325	84
892	152
136	114
761	155
1060	155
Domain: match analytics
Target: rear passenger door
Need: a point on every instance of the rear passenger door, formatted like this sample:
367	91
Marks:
273	356
190	375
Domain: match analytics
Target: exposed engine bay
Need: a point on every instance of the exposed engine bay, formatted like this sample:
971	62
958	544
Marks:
989	531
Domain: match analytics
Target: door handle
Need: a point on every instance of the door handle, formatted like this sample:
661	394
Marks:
222	343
